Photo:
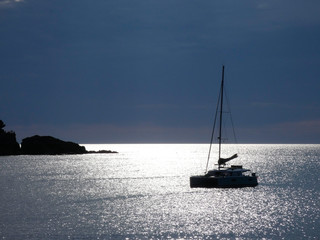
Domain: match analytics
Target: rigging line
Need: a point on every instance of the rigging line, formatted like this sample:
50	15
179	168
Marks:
232	123
214	126
231	119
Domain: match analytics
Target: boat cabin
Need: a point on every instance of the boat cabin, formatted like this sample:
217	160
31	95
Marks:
234	170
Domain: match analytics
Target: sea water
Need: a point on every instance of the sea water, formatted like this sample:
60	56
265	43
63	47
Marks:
143	193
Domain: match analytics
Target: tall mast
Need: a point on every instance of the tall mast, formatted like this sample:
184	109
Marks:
221	108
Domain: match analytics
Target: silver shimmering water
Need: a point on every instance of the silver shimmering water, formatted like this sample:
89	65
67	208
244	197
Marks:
143	193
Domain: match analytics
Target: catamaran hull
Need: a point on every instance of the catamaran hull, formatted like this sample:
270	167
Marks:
223	182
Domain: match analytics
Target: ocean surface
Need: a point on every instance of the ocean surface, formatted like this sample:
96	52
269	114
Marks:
143	193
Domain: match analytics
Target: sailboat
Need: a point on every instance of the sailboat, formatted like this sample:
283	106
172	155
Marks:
233	176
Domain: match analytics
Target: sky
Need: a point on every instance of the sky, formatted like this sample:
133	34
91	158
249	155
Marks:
148	71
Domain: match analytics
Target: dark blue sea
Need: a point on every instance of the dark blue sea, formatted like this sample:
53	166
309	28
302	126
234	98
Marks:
143	193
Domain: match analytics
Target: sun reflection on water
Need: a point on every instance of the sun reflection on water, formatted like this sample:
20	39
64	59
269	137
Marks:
143	193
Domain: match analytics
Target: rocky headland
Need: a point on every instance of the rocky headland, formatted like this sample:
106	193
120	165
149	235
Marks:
8	142
39	145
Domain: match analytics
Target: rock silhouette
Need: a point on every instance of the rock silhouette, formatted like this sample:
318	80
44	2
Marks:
39	145
47	145
8	142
